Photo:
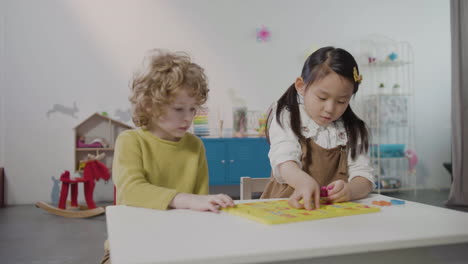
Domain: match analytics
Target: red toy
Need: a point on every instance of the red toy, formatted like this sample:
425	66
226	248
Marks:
323	191
93	171
324	195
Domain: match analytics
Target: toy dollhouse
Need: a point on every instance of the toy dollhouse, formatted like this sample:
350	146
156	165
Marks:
95	135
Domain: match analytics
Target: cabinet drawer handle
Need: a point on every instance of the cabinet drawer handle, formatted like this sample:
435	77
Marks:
232	161
223	161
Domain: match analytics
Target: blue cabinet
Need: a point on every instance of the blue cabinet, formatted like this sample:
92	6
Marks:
232	158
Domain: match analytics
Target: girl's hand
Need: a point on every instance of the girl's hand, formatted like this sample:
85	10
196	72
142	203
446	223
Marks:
308	190
339	191
201	202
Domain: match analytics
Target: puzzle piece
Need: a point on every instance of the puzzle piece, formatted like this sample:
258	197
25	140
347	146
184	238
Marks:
397	202
323	191
382	203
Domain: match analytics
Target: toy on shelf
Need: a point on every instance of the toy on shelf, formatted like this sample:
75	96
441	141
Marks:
388	183
392	56
240	121
255	122
93	170
262	122
95	143
200	123
412	160
388	150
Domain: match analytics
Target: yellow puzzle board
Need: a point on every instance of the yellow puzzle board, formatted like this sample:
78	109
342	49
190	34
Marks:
279	211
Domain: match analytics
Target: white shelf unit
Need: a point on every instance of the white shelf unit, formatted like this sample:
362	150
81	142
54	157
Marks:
386	103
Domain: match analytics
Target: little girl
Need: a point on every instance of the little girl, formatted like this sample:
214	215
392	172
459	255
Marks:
316	139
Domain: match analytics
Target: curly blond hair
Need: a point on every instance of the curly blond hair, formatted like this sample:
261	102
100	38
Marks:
164	74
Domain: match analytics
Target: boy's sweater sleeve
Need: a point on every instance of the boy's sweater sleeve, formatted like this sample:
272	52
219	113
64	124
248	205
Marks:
133	188
203	179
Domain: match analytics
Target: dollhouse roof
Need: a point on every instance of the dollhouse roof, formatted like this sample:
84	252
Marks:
104	118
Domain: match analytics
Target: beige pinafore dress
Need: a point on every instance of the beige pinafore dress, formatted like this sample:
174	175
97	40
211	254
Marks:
324	165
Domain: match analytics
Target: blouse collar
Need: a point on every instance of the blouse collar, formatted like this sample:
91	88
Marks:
311	129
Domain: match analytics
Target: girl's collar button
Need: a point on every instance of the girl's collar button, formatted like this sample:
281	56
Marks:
341	135
305	129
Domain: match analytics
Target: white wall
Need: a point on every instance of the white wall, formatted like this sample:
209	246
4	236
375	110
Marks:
60	52
2	82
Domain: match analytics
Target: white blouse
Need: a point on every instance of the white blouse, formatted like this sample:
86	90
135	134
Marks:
285	145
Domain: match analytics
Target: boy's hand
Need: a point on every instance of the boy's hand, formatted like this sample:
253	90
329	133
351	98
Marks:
201	202
339	191
308	190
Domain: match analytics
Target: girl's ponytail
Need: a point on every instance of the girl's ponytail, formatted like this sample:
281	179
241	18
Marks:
289	101
355	129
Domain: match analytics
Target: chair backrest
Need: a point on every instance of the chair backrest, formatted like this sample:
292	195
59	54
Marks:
250	185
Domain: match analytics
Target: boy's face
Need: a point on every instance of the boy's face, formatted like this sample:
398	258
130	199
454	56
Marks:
176	118
326	100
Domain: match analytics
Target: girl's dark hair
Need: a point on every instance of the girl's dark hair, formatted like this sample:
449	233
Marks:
318	65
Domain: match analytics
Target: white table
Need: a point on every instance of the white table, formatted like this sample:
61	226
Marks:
399	232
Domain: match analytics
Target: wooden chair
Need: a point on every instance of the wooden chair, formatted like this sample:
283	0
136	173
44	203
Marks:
250	185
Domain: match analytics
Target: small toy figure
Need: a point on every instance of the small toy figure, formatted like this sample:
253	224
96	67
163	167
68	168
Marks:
388	183
412	160
392	56
262	125
95	143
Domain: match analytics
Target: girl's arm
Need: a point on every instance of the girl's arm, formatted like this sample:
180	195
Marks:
360	167
284	145
360	181
285	159
360	187
341	191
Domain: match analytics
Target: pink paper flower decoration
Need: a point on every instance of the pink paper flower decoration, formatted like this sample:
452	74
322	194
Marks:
263	34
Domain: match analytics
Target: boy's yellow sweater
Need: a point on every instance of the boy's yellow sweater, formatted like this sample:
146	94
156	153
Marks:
148	171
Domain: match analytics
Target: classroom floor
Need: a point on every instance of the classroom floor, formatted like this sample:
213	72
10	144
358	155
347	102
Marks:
31	235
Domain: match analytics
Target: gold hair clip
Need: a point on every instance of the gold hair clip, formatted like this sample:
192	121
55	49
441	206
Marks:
357	77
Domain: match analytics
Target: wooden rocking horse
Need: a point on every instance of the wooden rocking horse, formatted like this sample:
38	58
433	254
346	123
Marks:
93	170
